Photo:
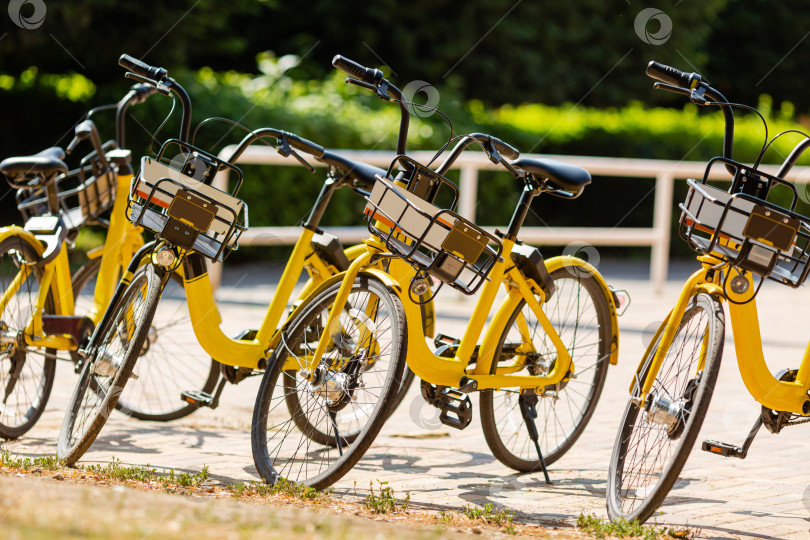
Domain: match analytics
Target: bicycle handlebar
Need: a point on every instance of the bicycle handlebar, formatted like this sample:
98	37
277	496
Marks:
372	79
292	139
484	140
671	75
143	69
138	93
352	68
698	91
159	78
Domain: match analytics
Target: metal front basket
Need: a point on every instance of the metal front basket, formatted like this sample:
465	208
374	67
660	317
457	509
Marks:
83	194
436	241
749	232
172	197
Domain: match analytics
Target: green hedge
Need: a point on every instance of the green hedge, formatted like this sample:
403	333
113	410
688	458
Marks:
342	116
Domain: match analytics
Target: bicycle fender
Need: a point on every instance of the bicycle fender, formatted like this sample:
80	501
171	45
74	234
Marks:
16	230
567	261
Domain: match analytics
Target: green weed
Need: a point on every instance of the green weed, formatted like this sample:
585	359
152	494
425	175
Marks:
488	514
621	528
385	501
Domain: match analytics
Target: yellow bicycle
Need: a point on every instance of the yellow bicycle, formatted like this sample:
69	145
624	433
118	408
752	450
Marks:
37	311
540	367
743	237
172	197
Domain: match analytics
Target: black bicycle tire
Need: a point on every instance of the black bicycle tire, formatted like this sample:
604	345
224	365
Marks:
487	407
367	435
714	310
49	365
71	453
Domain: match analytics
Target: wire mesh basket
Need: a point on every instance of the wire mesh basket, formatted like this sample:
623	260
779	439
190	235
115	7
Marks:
741	226
172	197
83	194
434	240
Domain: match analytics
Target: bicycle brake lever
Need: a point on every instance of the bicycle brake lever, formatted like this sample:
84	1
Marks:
361	84
302	161
157	86
672	88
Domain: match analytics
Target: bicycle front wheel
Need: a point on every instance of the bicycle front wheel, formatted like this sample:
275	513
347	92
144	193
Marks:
26	373
579	312
313	430
656	437
172	360
107	371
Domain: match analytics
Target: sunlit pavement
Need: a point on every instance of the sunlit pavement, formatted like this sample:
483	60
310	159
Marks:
766	495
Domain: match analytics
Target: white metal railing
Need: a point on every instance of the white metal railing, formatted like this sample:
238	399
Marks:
663	172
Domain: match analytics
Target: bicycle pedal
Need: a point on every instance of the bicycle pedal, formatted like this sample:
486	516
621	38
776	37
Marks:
442	339
197	398
456	409
723	449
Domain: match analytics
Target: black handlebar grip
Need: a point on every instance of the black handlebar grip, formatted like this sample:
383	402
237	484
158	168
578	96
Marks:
505	149
141	92
367	75
305	145
669	75
137	67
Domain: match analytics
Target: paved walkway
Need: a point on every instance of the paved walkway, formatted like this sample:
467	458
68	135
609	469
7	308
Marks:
763	496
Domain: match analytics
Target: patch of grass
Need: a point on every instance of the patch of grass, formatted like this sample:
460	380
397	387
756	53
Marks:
115	471
50	463
621	528
488	514
445	518
385	501
281	487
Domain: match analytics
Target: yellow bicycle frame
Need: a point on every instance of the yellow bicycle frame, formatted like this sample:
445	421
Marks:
122	241
450	371
778	395
249	353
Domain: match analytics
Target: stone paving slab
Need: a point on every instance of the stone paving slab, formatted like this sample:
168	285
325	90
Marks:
765	496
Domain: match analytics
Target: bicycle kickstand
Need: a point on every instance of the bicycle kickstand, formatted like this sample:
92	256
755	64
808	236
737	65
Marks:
333	418
528	409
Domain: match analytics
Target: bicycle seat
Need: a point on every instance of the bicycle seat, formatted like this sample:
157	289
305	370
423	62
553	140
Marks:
47	163
567	177
361	172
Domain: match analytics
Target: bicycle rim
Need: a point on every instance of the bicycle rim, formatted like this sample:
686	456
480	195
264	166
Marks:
580	313
337	416
654	441
105	374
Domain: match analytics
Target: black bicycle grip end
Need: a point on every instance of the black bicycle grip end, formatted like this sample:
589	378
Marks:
367	75
505	149
668	74
305	145
137	67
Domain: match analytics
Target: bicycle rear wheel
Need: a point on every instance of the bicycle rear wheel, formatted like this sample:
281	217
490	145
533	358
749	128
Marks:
26	373
105	374
655	438
339	414
579	312
172	360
